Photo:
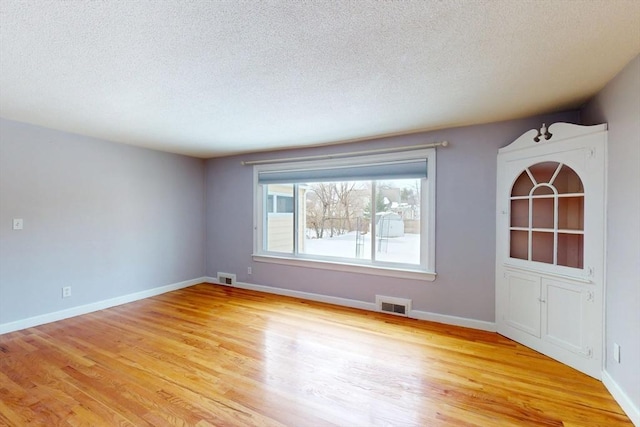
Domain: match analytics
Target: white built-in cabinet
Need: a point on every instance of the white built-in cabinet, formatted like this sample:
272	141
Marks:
550	243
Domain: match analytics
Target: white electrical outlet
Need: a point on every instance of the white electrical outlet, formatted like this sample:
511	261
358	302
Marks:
18	223
248	270
66	292
616	352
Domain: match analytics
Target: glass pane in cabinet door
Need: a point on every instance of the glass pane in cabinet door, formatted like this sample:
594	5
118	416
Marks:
543	172
568	181
522	186
543	190
571	213
542	247
519	244
571	250
543	213
520	213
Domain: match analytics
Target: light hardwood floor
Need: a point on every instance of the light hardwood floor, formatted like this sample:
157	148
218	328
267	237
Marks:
213	355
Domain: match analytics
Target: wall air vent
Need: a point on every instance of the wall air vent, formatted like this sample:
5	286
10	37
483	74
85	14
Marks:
392	305
227	279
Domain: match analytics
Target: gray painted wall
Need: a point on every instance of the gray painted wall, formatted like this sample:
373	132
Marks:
465	224
107	219
618	104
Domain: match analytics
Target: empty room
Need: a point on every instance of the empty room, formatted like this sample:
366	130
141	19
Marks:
326	213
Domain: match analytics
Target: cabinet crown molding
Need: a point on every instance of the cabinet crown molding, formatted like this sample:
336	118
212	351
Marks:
557	132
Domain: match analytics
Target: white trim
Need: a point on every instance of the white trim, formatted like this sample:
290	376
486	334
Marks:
346	302
373	269
560	131
625	402
551	274
465	322
95	306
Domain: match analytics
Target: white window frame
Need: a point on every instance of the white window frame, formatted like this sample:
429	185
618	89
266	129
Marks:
424	271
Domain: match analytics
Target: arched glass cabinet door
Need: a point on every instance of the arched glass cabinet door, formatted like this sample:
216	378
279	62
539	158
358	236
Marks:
547	216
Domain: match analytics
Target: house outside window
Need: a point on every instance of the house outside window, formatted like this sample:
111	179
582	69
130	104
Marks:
279	217
372	214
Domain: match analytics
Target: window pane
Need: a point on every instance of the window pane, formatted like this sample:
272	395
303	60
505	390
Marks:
543	190
522	186
337	219
398	221
570	250
568	181
279	226
520	213
542	172
571	213
519	244
542	247
543	213
284	204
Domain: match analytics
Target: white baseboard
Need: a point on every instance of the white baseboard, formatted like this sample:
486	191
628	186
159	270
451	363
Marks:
453	320
89	308
346	302
627	405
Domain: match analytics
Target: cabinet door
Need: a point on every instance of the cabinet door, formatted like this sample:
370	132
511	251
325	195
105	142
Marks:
565	315
523	302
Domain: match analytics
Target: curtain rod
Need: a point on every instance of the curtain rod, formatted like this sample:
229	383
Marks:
339	155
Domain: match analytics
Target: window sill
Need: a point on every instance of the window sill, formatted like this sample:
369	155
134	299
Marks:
374	270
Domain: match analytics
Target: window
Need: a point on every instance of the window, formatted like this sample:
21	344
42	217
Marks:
373	214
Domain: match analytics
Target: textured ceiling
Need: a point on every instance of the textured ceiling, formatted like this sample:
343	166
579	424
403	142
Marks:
211	78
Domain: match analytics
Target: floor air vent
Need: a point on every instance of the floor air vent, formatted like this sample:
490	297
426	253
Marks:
227	279
392	305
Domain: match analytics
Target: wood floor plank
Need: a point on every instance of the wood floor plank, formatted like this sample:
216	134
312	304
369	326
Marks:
210	355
